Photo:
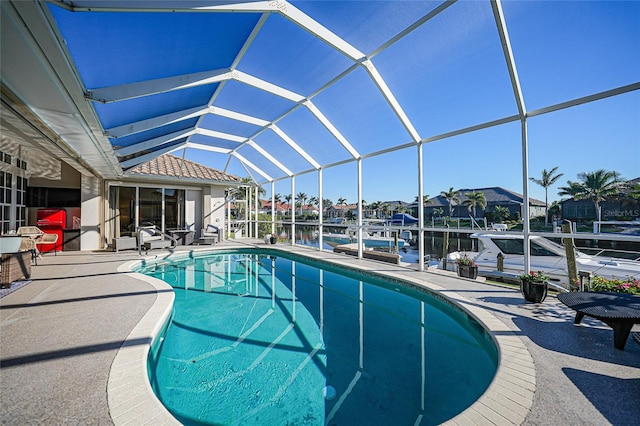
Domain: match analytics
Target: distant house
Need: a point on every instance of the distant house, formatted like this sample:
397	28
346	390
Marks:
281	208
386	208
622	207
495	196
308	210
343	210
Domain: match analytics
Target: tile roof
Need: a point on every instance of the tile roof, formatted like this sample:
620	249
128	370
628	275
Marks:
493	195
168	165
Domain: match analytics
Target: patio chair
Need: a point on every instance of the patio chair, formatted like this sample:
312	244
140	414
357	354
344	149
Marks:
29	236
210	232
47	239
151	237
32	232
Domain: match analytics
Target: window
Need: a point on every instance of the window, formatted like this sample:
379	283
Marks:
151	207
21	199
516	246
162	207
126	215
509	246
52	197
174	208
538	250
6	181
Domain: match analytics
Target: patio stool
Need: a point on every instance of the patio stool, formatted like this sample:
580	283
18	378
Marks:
124	243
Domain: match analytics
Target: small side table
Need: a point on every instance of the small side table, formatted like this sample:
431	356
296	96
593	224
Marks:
183	237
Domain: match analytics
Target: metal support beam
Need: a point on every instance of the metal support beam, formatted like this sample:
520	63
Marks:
496	6
321	211
360	239
420	208
293	210
273	207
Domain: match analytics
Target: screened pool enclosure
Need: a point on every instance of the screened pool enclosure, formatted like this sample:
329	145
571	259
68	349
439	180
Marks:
363	100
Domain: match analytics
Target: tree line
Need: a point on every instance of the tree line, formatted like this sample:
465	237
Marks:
597	186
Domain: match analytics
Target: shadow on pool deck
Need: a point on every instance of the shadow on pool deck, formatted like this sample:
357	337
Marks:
60	334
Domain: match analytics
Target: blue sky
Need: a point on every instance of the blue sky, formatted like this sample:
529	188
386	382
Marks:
447	74
563	51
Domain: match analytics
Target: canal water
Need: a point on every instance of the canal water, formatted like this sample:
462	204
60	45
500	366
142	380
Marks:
434	241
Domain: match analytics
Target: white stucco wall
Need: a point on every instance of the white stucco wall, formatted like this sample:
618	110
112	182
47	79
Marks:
91	213
214	207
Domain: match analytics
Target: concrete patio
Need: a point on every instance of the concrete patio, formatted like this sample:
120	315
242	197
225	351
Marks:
60	335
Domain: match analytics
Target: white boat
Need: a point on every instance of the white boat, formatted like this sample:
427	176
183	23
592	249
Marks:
373	237
546	256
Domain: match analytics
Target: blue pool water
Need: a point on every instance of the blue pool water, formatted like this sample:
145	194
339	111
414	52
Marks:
259	338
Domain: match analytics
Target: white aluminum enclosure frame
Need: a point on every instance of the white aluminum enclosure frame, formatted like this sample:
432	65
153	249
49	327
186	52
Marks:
44	37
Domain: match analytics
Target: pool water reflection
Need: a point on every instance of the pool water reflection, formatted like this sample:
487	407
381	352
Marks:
260	338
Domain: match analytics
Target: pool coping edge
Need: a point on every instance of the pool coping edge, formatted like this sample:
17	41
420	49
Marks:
507	400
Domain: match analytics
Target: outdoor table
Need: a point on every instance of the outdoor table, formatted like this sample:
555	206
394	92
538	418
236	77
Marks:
183	237
620	311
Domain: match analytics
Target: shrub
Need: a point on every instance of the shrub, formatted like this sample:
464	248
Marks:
629	285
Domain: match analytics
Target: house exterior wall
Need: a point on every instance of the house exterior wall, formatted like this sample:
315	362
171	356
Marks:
214	206
193	209
91	216
203	204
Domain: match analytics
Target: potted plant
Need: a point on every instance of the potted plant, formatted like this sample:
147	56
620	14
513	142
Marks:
467	268
534	286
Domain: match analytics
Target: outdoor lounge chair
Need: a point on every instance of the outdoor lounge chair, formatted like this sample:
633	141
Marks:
210	234
151	237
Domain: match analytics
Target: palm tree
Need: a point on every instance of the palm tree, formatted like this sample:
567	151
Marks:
451	196
313	201
242	192
288	197
386	208
634	191
548	179
475	199
501	213
375	206
277	199
301	198
555	209
595	186
342	201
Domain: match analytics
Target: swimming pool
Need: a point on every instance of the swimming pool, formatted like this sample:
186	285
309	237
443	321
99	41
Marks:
259	337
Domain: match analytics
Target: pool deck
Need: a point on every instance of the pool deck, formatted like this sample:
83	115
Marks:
73	344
